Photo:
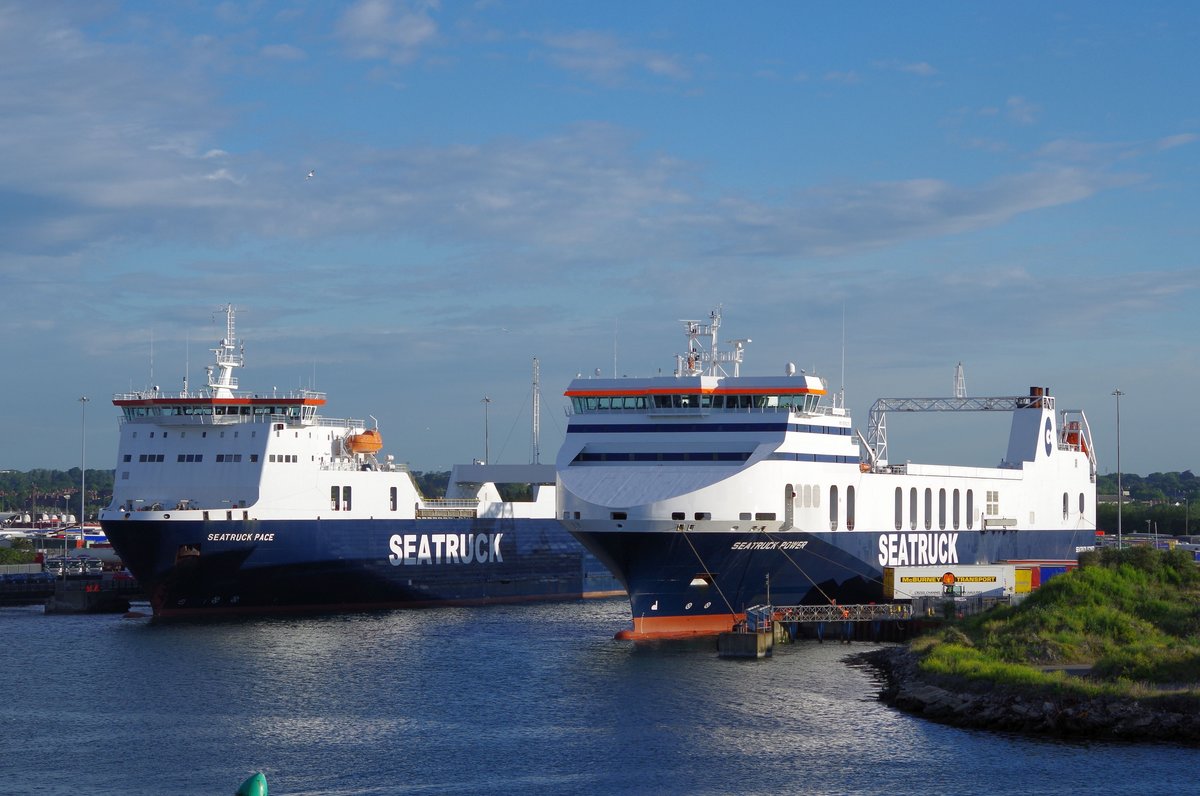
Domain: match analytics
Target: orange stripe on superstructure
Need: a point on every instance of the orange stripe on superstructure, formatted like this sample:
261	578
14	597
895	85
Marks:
218	401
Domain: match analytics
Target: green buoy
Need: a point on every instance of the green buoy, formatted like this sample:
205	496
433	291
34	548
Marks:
255	786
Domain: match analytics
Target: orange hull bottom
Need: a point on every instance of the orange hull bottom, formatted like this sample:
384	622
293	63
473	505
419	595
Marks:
654	627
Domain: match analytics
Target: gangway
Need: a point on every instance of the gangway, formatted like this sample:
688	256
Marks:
759	617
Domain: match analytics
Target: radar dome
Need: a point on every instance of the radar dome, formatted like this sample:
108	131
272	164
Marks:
790	369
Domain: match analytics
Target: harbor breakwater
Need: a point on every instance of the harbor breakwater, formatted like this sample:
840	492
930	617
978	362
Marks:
1168	717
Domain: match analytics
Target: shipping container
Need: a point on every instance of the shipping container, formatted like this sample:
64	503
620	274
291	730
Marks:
992	580
1024	582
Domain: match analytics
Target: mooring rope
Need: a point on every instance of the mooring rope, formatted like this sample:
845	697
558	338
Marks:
704	567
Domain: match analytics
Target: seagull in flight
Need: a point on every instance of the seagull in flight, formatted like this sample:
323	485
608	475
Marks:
311	173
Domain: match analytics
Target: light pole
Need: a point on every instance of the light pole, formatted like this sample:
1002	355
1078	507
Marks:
486	453
83	402
1120	495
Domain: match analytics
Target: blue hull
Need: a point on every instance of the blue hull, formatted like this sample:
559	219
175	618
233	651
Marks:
210	568
700	582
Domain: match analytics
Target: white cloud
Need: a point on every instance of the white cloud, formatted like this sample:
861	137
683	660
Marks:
850	77
922	68
1021	111
1172	141
383	29
283	52
603	58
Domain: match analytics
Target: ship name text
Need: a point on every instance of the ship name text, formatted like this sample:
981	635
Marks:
445	548
787	544
916	549
241	537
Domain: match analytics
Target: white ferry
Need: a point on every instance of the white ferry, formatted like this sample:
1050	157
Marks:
227	502
707	492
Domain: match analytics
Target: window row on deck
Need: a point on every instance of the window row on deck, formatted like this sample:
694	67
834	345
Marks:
644	403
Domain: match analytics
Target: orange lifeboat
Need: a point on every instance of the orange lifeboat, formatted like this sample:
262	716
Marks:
367	442
1075	437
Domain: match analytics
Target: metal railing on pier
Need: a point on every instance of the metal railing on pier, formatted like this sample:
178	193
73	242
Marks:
760	617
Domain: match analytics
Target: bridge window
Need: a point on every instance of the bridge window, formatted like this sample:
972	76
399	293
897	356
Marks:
912	509
393	498
942	509
1081	503
334	495
833	508
345	498
1066	506
850	508
928	508
899	508
956	509
970	509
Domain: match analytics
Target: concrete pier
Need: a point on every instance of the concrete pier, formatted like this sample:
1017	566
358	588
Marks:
92	597
746	644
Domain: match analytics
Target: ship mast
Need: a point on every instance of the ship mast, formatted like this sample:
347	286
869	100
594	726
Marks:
697	361
229	356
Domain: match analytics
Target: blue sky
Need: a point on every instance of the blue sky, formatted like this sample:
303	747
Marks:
1013	186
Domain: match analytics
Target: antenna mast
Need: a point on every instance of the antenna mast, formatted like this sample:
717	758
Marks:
960	382
229	356
537	412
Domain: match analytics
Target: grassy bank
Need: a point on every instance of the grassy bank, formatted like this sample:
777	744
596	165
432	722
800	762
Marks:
1132	616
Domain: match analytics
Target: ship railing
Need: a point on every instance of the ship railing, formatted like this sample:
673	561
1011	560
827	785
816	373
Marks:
208	419
143	395
447	508
349	463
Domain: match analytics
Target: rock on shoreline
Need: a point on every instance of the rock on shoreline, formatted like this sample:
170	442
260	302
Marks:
1008	709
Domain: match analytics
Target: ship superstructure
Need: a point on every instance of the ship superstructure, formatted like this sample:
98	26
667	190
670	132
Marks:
708	491
228	501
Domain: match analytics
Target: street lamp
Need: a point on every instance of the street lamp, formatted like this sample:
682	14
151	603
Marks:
1120	495
83	402
486	453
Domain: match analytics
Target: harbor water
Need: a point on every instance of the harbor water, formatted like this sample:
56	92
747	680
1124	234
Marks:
507	699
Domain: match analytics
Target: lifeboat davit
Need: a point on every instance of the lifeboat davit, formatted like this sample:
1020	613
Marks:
368	441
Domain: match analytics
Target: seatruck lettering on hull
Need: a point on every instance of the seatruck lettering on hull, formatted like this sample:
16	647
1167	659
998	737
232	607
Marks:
789	544
445	548
917	549
241	537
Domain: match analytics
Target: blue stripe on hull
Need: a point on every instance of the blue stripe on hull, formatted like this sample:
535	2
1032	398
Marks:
659	568
278	566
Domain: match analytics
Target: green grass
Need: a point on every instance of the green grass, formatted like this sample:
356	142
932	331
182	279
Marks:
1132	615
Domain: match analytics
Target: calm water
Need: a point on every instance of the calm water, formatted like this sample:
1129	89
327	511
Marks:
529	699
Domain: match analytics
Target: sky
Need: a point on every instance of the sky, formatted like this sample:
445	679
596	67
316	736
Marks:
872	191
